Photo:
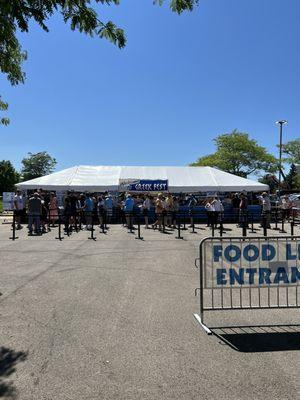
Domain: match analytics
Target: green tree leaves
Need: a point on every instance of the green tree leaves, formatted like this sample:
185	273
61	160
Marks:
238	154
3	107
292	150
36	165
8	176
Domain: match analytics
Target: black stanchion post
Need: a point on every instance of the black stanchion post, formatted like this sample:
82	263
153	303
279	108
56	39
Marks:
244	229
252	223
193	222
130	221
292	227
178	227
221	226
163	222
139	227
264	220
213	228
59	229
276	219
92	229
14	227
282	222
184	217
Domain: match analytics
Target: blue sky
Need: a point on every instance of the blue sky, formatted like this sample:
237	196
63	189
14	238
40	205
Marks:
180	81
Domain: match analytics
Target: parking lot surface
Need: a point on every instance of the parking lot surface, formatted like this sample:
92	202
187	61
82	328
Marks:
113	319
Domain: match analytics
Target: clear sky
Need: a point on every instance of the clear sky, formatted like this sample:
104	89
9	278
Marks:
180	81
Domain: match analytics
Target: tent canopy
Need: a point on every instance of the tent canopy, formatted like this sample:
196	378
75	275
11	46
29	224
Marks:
180	179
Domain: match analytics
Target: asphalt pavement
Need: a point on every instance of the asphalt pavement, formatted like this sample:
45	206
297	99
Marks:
113	319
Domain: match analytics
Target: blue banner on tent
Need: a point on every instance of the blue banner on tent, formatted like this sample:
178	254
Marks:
145	185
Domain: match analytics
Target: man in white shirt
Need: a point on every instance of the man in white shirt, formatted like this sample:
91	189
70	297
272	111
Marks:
266	209
18	207
286	206
218	209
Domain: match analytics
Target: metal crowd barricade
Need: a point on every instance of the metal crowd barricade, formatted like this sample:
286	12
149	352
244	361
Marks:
243	273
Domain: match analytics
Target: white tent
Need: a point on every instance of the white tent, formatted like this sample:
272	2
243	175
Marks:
180	179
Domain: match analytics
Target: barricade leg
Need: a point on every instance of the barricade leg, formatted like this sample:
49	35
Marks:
200	317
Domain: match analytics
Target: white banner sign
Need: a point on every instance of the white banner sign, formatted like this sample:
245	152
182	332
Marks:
8	201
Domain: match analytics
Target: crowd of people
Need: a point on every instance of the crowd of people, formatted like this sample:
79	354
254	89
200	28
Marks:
83	210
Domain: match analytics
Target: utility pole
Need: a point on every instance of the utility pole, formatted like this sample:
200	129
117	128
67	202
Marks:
280	123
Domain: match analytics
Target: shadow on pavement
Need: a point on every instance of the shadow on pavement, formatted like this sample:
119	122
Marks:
8	361
261	338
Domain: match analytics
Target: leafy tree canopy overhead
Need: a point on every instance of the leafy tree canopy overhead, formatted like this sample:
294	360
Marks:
3	107
81	15
292	151
36	165
8	176
237	154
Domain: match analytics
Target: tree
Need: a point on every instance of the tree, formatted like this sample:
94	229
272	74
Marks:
16	15
292	150
238	154
3	107
36	165
8	176
292	179
272	181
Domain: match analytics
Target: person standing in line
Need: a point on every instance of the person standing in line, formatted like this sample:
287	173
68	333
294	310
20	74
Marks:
266	210
192	202
146	209
109	207
34	212
73	209
218	209
209	208
101	210
235	203
175	211
159	209
121	204
80	206
18	207
45	215
53	209
243	209
128	209
286	206
67	213
88	211
169	204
